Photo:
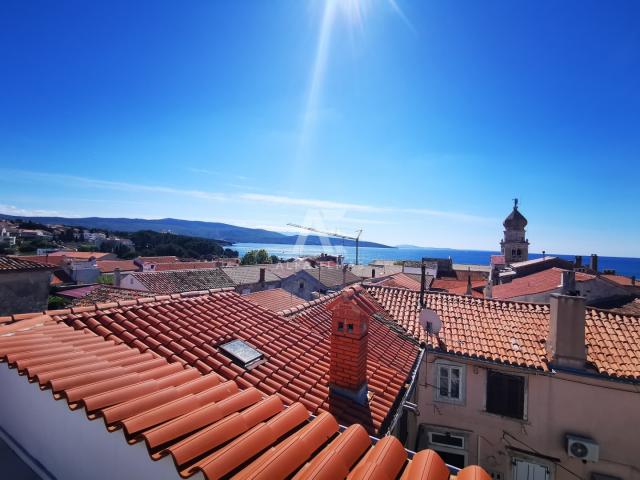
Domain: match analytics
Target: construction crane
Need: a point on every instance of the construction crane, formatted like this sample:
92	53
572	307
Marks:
330	234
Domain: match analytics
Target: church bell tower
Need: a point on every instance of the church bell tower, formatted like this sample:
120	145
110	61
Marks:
514	245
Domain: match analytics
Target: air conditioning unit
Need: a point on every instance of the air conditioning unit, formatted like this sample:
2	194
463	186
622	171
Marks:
583	448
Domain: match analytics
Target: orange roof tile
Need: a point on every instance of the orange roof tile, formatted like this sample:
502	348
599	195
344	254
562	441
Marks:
402	280
202	422
539	282
189	328
81	255
108	266
164	259
622	280
514	333
459	287
275	299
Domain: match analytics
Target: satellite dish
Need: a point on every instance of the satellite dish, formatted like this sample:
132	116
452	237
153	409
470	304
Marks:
430	321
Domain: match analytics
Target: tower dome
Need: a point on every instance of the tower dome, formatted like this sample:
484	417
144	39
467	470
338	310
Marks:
515	220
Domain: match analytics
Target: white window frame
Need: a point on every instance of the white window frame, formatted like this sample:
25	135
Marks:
462	386
435	443
448	448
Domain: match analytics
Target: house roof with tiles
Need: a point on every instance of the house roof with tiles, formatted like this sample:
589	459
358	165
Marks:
276	299
459	287
191	328
82	255
249	274
622	280
92	294
403	280
332	277
109	266
179	281
160	267
540	282
17	264
203	423
164	259
514	333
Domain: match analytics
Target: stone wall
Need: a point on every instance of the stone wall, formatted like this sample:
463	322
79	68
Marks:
24	292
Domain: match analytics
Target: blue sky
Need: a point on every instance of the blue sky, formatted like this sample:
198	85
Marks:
416	121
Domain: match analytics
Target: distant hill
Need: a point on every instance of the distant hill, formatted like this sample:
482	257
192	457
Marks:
213	230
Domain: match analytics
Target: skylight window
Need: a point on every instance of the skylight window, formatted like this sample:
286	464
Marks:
242	353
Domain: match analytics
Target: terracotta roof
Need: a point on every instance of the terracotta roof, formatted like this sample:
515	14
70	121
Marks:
514	333
165	259
402	280
203	423
17	264
159	267
275	299
93	294
497	260
189	328
249	274
178	281
108	266
332	277
544	281
43	259
621	280
81	255
459	287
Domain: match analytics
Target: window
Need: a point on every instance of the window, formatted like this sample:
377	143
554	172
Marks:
450	382
505	394
242	353
451	445
301	286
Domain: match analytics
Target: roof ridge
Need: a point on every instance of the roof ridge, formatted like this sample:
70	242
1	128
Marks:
307	305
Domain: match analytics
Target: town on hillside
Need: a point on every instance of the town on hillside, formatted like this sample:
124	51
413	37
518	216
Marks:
231	364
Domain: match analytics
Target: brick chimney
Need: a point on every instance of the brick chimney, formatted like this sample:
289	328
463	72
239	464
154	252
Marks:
594	262
117	278
565	345
263	274
349	344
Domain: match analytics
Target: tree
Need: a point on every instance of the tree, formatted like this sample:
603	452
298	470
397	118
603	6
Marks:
249	258
274	259
253	257
262	256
